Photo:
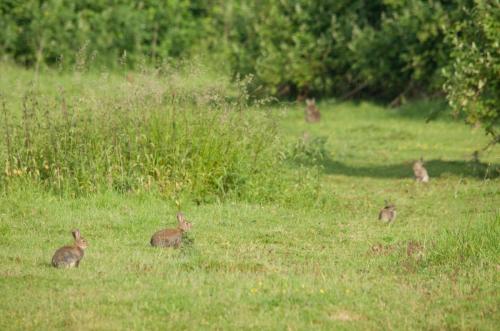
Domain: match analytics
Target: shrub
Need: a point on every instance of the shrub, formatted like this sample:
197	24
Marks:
294	47
36	31
404	53
473	76
380	48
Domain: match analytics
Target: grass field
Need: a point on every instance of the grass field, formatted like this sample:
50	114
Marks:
271	266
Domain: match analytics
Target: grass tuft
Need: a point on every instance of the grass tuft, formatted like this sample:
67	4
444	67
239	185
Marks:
148	132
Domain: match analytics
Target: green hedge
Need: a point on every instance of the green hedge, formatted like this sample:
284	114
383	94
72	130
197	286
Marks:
50	31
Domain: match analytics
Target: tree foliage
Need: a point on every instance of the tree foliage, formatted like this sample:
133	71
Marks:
49	31
473	75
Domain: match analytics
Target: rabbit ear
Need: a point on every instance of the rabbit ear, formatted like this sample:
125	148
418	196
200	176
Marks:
76	234
181	218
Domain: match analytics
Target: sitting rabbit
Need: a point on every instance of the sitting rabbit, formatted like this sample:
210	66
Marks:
312	112
171	237
420	172
388	213
70	256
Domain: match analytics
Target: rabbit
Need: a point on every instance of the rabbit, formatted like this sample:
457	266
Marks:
388	213
70	256
420	172
312	112
171	237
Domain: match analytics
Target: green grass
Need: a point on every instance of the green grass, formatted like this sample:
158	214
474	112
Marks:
286	266
82	133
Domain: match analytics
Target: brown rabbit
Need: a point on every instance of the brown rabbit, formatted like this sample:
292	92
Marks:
70	256
420	172
312	112
171	237
388	213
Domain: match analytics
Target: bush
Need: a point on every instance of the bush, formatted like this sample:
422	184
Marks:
294	47
405	53
473	76
37	31
379	48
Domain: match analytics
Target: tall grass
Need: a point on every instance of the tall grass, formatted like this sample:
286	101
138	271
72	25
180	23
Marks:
171	131
475	244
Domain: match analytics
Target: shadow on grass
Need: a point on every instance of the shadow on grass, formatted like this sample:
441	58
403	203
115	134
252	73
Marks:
436	168
427	110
